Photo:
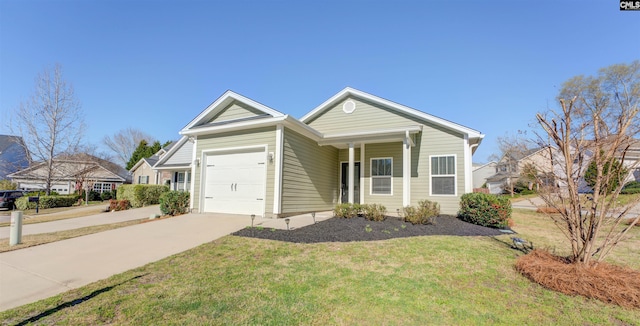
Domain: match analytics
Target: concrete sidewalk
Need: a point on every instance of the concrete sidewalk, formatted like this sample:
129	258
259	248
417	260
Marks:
35	273
80	222
531	203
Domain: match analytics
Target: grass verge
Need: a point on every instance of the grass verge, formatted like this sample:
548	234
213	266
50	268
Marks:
59	213
43	238
443	280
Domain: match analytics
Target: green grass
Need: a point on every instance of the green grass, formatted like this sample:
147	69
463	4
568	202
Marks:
436	280
44	238
57	213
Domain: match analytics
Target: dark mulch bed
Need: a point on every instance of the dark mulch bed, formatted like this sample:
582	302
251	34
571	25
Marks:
360	229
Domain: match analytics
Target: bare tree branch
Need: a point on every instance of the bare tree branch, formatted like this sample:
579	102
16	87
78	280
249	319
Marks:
124	142
50	122
598	125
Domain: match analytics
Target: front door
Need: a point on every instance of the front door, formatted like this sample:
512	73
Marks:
344	189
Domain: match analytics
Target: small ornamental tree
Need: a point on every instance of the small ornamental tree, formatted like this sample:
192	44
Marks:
594	129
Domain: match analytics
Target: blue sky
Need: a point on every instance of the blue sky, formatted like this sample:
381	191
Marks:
154	65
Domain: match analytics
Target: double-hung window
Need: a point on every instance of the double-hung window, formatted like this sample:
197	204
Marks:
443	175
381	176
143	179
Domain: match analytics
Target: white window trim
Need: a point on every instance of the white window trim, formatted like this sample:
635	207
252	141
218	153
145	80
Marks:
372	177
455	176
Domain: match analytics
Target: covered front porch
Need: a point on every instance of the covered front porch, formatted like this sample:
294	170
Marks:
375	166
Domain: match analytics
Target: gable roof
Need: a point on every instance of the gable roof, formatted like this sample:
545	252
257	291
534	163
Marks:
153	159
175	146
222	102
65	165
478	166
348	91
13	155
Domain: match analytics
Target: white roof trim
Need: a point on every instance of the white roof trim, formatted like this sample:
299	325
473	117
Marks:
138	164
483	165
385	135
224	100
232	126
171	151
174	167
399	107
352	134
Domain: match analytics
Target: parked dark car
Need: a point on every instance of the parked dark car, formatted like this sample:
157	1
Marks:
8	198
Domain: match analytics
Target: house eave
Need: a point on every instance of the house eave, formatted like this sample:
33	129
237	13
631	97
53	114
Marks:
370	136
225	99
232	127
171	151
173	167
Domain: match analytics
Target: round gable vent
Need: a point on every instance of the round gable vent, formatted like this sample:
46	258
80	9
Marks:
349	106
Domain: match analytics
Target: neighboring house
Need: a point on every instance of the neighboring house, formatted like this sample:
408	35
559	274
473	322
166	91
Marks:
13	155
481	172
171	166
355	147
143	173
632	161
71	173
510	167
174	168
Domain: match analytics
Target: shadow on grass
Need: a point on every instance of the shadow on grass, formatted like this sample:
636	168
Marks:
74	302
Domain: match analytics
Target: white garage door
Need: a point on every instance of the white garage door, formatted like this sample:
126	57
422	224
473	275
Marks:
234	183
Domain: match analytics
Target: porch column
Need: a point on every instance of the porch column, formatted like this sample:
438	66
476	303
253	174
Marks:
184	186
362	173
352	165
406	170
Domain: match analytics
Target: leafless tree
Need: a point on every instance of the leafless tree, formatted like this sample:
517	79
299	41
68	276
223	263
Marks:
597	122
512	147
50	122
124	142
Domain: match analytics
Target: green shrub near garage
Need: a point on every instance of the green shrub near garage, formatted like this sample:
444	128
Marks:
174	203
141	195
23	203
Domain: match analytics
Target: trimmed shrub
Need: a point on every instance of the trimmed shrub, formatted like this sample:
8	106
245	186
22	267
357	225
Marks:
106	195
141	195
485	209
41	193
425	213
174	203
119	205
23	203
345	210
632	187
374	212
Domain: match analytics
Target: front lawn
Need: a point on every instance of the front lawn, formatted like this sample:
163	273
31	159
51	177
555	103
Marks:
441	280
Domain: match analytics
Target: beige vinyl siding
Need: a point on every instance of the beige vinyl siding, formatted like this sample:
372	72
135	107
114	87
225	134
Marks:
435	140
343	156
384	150
244	138
308	175
367	116
235	110
143	170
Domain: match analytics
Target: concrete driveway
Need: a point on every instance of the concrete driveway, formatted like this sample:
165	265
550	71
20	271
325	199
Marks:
30	274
